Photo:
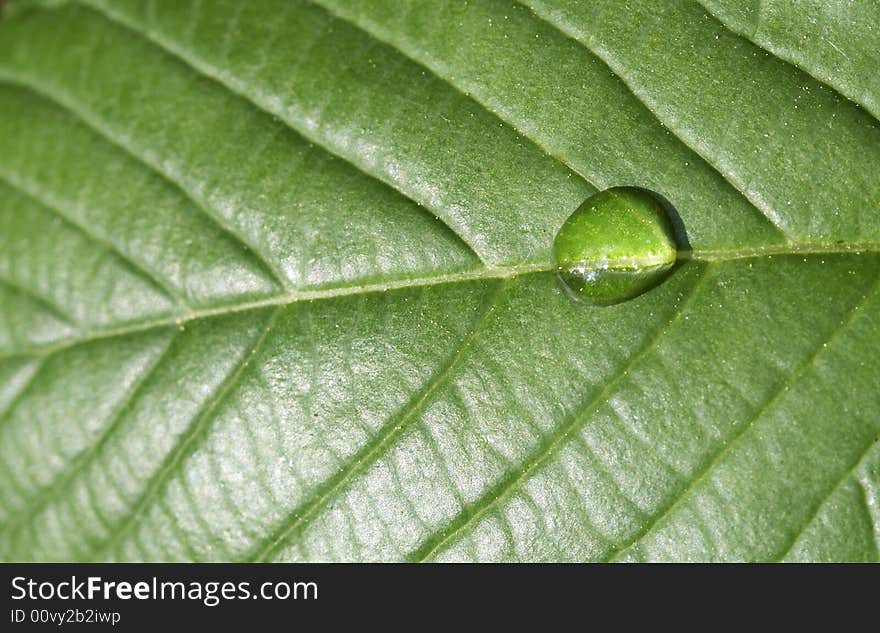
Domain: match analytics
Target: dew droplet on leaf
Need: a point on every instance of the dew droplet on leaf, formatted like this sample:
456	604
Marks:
618	244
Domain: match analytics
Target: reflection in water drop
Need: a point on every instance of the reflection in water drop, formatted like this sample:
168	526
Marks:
617	245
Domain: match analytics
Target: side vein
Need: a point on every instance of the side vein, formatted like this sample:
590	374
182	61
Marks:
790	545
237	87
434	69
713	461
764	210
769	47
190	437
47	304
130	148
151	278
65	478
554	442
38	365
376	447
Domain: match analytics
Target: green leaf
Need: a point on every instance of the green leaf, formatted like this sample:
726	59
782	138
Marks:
277	281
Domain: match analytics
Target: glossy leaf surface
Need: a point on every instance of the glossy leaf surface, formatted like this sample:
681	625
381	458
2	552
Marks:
277	282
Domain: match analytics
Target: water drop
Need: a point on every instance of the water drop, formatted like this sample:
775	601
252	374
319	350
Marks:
618	244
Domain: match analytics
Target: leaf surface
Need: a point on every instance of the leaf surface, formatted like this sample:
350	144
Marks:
276	282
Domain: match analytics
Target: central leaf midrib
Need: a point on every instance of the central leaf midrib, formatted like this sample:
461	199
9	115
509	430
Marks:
500	273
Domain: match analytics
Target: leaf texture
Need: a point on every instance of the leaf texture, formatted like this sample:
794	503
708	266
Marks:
276	282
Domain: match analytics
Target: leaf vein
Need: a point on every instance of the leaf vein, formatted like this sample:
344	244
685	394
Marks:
500	272
189	437
554	442
793	541
47	304
377	446
22	390
150	277
768	47
760	207
438	72
131	149
712	462
237	87
64	479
